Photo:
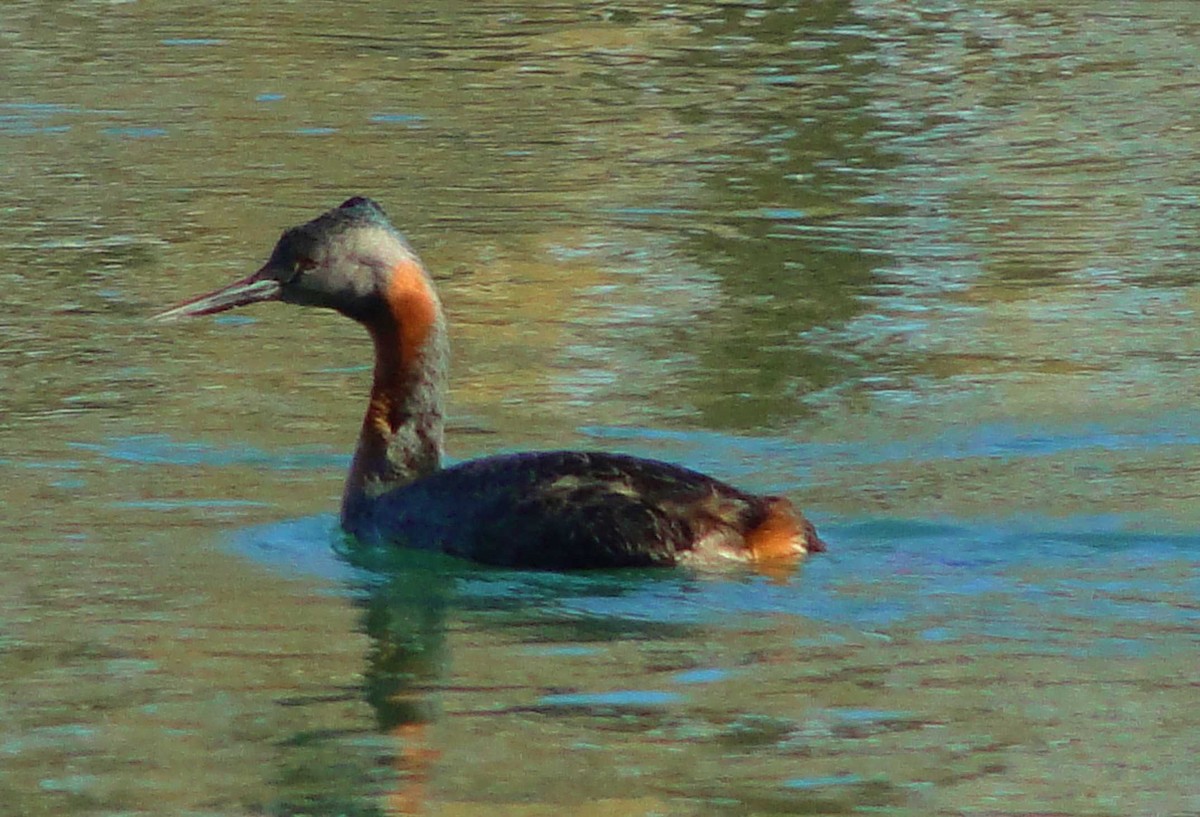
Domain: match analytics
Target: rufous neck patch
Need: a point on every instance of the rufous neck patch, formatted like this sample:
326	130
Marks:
414	309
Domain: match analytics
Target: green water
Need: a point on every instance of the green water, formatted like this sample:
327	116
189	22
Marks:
927	268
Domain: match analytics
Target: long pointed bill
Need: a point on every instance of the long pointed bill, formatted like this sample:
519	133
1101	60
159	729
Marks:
250	290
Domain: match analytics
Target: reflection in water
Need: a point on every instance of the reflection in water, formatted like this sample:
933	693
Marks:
798	157
413	602
470	668
405	616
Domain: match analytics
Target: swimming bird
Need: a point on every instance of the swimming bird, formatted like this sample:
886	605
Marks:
555	510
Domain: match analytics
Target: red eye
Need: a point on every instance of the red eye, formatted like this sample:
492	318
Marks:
301	266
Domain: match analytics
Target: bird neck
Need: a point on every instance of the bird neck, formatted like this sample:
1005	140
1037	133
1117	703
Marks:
402	432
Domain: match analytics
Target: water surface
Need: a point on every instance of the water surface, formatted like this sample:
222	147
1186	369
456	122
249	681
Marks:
928	269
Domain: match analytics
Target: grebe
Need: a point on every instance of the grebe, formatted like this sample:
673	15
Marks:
554	510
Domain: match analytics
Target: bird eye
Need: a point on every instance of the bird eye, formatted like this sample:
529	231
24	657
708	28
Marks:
301	266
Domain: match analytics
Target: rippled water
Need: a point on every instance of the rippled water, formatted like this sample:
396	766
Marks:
927	268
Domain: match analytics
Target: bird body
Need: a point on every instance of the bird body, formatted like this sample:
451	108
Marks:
577	509
541	510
